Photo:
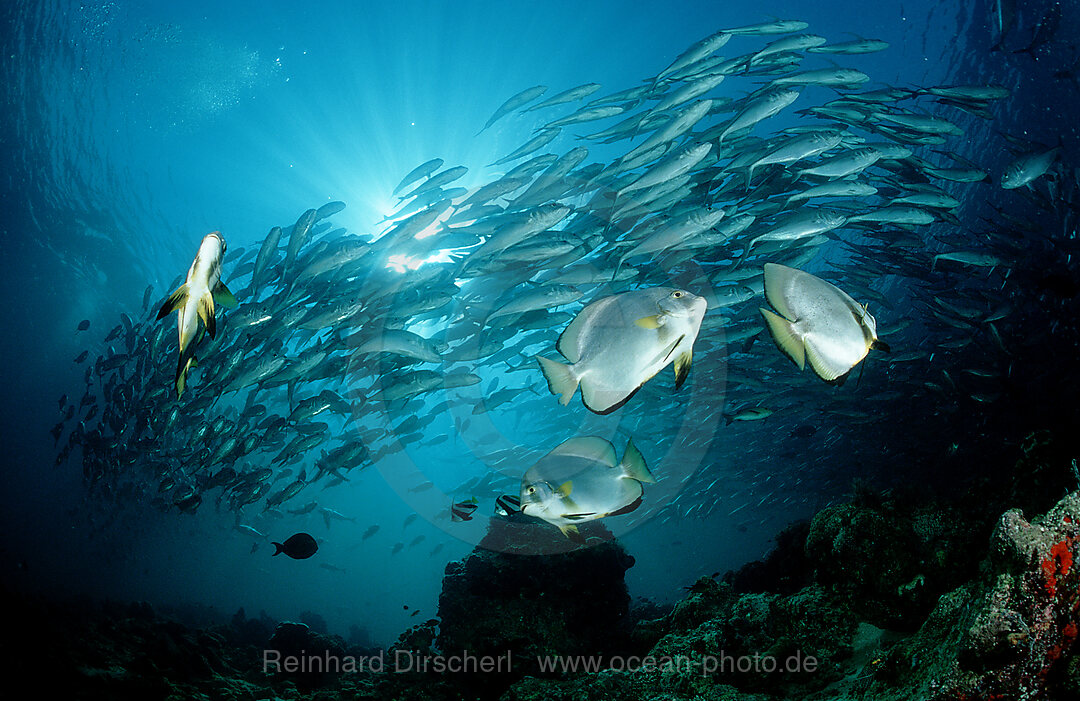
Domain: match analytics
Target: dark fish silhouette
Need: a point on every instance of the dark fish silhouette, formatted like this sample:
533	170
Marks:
299	547
84	325
1044	31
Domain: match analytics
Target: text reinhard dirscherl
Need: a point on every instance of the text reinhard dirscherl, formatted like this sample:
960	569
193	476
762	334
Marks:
403	661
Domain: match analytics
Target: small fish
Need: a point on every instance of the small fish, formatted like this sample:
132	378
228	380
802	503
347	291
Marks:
371	530
84	325
463	510
421	171
756	413
299	547
507	505
512	103
1028	167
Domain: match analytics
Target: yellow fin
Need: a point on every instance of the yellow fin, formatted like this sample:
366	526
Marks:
224	297
565	488
682	367
174	302
572	533
649	322
206	314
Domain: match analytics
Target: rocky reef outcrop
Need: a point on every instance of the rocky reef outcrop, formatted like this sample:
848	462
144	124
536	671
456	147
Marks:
885	598
901	599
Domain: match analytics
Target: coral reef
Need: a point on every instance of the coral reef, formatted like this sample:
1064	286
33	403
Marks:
885	598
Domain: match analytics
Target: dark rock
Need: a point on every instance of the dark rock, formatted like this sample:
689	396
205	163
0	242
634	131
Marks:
571	603
314	652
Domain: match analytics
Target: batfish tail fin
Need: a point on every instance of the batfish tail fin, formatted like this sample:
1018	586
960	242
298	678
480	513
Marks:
633	464
560	378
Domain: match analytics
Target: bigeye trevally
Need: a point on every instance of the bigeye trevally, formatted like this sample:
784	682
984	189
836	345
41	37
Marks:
817	323
582	480
618	343
195	300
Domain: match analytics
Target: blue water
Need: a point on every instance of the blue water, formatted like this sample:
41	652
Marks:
132	129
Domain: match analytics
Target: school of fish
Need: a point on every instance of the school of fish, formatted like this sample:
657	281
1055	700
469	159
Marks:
761	209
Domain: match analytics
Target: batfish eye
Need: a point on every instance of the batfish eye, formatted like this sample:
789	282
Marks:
676	294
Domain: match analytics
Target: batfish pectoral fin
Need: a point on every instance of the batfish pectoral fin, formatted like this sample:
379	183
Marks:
206	314
784	336
578	517
682	367
572	533
174	302
224	297
650	322
565	488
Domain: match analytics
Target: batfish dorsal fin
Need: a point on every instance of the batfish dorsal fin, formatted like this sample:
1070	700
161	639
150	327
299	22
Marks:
777	279
589	447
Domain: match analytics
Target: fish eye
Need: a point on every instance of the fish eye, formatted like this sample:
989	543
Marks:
676	294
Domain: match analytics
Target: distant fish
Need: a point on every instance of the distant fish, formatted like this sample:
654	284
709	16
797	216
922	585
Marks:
571	95
1028	167
1004	18
1044	31
421	171
371	530
194	301
519	100
756	413
84	325
332	515
463	510
299	547
82	356
817	322
300	232
582	480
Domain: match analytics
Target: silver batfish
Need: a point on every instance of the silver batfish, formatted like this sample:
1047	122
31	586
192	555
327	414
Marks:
583	480
817	323
618	343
